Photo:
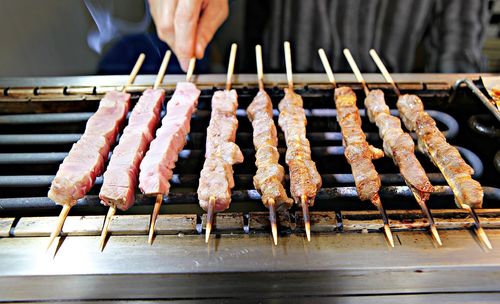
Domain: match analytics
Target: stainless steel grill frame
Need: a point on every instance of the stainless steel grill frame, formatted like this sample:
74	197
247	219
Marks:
240	262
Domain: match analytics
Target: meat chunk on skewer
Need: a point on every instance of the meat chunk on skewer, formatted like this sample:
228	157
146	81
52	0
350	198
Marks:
216	177
304	177
397	144
358	152
446	157
159	161
270	175
120	178
85	160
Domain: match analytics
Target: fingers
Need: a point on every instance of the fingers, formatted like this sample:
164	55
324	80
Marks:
163	12
186	19
212	17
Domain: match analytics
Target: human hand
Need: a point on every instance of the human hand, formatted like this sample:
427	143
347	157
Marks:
187	26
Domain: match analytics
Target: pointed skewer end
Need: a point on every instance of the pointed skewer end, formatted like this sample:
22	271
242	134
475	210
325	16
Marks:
272	220
107	221
210	217
60	223
435	234
154	216
307	219
388	234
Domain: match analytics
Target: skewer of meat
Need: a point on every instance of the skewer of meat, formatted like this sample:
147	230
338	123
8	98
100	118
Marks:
358	152
269	179
120	178
85	160
216	177
467	191
305	180
398	145
157	166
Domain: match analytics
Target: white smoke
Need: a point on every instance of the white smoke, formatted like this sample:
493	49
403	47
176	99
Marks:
109	27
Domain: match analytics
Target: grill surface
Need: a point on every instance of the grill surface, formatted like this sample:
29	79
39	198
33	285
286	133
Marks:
38	129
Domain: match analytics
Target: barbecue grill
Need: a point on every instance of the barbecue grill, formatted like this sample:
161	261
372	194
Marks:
347	257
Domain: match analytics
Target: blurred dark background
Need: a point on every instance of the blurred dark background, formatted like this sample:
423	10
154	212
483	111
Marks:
49	38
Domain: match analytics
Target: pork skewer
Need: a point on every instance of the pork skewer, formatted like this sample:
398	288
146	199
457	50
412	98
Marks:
216	177
398	145
270	175
305	180
158	163
358	152
468	192
120	177
86	159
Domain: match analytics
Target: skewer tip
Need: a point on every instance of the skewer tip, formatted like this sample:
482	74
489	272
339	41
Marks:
272	219
435	234
307	219
210	216
60	223
154	216
483	237
388	234
107	221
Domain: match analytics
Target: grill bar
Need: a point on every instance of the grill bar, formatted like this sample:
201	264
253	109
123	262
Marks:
331	197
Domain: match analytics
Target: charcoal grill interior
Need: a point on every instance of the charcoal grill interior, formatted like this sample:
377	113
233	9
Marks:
40	121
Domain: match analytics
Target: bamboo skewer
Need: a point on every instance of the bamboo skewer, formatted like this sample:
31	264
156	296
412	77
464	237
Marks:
159	197
67	207
212	199
112	208
375	200
270	203
481	234
303	198
416	194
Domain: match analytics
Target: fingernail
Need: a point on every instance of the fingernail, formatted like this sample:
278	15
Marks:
184	64
200	50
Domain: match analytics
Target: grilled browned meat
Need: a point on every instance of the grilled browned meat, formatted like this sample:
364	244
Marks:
270	174
446	157
216	177
358	152
304	177
397	144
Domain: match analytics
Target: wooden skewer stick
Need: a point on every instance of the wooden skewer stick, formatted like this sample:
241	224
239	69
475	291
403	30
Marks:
230	67
159	197
59	225
303	198
387	229
384	71
272	219
481	234
356	71
305	213
260	68
211	201
107	222
288	64
376	200
190	70
67	207
328	68
135	71
210	217
112	208
162	70
418	198
270	203
479	230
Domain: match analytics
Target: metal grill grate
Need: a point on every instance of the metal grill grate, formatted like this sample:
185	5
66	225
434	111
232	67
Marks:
33	146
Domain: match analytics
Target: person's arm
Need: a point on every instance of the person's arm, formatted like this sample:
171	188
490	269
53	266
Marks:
187	26
457	35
